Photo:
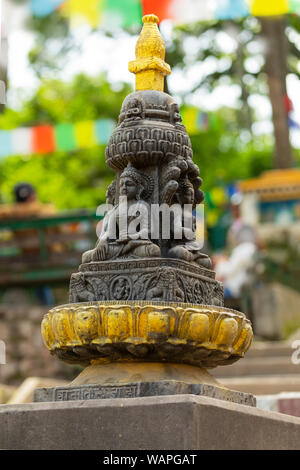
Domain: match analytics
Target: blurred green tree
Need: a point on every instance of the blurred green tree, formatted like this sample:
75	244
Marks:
77	179
256	54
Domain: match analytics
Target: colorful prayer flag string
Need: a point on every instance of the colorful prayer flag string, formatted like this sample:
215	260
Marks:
126	13
64	137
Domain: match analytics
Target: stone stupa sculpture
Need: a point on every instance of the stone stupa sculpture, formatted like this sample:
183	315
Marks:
146	314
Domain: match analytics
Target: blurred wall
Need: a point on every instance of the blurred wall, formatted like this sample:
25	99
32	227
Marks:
26	355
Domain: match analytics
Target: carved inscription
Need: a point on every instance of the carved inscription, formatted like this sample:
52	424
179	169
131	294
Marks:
95	392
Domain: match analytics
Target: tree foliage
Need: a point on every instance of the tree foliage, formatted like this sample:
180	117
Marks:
73	179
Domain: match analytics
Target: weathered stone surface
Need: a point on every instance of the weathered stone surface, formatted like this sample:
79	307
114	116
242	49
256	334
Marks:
161	279
152	156
120	373
128	380
181	422
140	389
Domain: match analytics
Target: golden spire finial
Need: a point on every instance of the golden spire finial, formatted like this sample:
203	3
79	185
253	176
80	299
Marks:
149	67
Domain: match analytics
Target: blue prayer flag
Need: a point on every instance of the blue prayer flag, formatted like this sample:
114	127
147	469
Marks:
103	130
230	9
41	8
6	147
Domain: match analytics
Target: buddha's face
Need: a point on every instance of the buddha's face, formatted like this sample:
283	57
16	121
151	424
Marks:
188	196
128	188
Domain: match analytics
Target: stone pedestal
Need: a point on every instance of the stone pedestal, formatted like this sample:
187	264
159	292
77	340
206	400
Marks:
121	380
181	422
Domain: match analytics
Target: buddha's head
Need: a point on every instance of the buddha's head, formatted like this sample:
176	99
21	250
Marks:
132	183
186	192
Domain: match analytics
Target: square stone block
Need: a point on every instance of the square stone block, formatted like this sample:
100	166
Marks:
181	422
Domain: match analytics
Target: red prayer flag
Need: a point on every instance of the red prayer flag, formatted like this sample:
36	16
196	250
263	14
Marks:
160	8
287	104
43	140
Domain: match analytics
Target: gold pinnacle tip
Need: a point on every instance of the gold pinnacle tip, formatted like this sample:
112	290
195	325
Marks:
150	19
149	67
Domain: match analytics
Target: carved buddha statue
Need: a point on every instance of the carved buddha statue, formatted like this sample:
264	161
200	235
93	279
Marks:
151	155
187	248
126	229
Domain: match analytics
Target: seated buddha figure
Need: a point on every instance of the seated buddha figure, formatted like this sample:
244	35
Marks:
126	229
187	248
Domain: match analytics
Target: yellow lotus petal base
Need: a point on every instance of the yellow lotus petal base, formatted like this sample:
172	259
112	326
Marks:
144	331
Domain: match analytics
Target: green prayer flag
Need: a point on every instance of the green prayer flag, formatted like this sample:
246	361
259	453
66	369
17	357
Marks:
213	123
65	137
124	13
294	6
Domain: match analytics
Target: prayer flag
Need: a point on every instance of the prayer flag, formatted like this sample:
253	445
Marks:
213	123
160	8
43	139
83	11
189	116
269	7
292	123
41	8
103	130
230	9
85	134
185	11
126	13
202	121
122	13
22	141
5	143
294	6
65	137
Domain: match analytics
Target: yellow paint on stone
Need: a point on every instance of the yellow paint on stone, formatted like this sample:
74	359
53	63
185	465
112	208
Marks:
97	324
198	327
227	333
149	67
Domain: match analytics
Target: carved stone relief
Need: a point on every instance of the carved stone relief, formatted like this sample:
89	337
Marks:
152	156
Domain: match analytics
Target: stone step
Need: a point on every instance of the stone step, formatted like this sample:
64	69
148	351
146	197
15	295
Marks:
259	385
270	349
258	366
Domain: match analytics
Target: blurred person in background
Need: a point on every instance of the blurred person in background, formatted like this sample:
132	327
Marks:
26	203
26	206
235	270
